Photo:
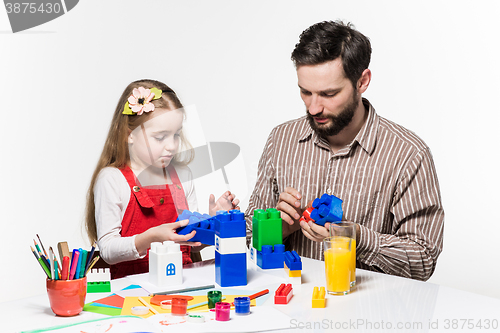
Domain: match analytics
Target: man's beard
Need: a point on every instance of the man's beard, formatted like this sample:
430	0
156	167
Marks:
338	122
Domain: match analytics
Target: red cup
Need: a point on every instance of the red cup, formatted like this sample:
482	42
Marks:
67	297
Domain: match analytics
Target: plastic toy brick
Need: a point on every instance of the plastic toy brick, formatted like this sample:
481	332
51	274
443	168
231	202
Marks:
230	269
266	228
318	298
204	225
230	249
306	215
292	261
328	208
270	257
98	287
292	273
283	294
230	224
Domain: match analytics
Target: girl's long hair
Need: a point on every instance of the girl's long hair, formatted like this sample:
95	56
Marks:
116	150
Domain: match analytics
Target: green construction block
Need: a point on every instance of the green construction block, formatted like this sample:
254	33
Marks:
98	287
267	228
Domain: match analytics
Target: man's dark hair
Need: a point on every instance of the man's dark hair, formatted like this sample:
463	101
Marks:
326	41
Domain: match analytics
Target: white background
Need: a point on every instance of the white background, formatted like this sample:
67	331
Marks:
435	71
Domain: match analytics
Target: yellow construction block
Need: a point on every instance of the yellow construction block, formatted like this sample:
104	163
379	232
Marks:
318	298
291	273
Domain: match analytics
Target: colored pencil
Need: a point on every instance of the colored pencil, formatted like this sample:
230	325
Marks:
40	261
89	259
91	265
260	293
147	305
52	266
43	248
184	290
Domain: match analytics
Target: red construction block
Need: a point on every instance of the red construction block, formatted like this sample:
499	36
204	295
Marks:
283	294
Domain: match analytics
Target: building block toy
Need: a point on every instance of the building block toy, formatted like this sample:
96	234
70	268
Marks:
306	215
292	261
271	257
99	277
230	249
165	264
283	294
266	228
204	225
328	208
99	287
318	297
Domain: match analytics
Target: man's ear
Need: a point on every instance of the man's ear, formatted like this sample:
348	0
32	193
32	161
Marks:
364	81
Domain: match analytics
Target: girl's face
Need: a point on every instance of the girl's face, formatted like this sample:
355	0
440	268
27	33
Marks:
156	141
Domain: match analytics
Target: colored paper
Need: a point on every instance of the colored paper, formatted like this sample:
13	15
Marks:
130	302
113	300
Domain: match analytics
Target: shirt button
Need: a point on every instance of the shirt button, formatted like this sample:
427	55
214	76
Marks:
329	191
136	188
161	201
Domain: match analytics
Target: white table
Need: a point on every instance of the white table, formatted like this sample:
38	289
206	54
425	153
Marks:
379	303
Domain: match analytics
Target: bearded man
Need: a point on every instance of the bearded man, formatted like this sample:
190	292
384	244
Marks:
383	172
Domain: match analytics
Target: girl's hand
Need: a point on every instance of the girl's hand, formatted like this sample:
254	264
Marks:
227	201
162	233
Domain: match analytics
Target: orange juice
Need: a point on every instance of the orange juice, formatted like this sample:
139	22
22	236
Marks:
343	242
337	267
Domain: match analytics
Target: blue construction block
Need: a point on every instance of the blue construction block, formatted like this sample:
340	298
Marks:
230	224
204	225
269	259
328	208
292	261
231	269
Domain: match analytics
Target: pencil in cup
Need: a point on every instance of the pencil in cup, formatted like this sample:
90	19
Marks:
42	264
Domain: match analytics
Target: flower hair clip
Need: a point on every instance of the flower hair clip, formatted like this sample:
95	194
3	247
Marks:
140	101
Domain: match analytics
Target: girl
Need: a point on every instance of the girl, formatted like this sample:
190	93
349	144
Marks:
140	184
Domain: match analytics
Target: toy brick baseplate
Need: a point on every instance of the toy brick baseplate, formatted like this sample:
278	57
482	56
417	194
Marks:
204	225
99	277
318	297
283	294
328	208
271	257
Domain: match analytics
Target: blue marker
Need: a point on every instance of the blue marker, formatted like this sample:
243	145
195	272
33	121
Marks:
78	264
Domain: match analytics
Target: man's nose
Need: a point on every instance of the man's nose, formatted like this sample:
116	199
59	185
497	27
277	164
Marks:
316	105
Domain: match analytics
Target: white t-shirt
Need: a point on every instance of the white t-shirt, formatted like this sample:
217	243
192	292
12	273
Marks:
111	198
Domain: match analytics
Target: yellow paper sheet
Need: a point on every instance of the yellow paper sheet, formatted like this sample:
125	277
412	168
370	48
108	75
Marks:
130	302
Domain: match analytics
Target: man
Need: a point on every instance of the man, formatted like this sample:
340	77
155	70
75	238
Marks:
384	173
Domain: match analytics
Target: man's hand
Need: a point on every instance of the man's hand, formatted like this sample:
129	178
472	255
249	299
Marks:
289	205
314	231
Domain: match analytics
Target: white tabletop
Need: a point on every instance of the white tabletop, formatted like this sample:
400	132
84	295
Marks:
379	302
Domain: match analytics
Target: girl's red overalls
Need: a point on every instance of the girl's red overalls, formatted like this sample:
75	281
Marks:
149	207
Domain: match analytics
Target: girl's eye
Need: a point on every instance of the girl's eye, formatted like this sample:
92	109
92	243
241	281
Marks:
160	138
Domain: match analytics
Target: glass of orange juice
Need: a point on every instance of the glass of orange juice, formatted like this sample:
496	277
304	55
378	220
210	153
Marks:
345	231
337	265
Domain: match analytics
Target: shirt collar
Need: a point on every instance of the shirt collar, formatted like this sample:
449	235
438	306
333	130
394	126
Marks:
366	137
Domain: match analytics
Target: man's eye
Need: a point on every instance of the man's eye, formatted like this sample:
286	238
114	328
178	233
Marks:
305	92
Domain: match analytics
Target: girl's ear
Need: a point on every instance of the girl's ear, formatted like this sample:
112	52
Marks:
129	139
